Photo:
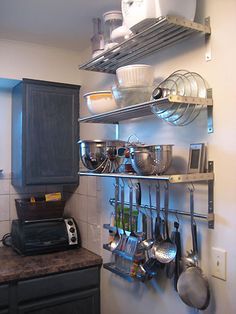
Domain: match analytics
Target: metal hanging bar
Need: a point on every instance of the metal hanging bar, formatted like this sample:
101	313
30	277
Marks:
171	211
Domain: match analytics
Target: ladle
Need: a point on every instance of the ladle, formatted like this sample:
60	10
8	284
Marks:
148	243
165	251
114	243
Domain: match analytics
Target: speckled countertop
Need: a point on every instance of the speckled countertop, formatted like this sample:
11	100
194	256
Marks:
16	267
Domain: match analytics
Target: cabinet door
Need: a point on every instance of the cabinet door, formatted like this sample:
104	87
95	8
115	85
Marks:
51	134
4	299
78	303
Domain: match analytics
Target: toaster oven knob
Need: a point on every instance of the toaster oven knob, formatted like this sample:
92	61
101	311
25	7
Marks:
70	222
72	229
73	239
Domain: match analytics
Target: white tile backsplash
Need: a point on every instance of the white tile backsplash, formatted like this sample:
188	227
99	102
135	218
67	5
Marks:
5	186
94	239
4	207
92	186
83	186
94	211
82	207
83	229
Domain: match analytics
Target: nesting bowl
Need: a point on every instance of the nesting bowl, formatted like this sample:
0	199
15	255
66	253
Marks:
102	155
128	96
100	102
135	75
151	159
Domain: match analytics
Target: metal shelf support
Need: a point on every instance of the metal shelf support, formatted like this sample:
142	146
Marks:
210	198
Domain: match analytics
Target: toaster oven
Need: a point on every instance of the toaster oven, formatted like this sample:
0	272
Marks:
44	236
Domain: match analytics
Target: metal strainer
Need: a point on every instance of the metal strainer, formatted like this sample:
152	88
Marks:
151	159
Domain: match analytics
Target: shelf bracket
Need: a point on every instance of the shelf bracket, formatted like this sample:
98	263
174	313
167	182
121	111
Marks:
208	55
210	128
210	197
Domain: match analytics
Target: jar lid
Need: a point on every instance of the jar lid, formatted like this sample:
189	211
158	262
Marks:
112	15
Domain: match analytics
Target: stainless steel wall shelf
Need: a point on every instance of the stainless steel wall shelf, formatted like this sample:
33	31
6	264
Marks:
175	178
145	109
149	38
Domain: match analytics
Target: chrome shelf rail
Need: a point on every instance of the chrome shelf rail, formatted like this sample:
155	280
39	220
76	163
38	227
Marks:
156	34
174	178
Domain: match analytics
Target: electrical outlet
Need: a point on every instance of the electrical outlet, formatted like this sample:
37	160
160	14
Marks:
218	260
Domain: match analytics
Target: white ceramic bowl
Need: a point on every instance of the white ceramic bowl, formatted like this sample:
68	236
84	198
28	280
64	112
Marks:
135	75
100	101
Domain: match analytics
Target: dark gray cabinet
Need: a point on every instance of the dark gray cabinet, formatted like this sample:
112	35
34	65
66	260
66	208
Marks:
4	299
73	292
44	133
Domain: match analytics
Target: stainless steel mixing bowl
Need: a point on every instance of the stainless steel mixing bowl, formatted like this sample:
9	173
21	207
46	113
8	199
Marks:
151	159
93	154
102	155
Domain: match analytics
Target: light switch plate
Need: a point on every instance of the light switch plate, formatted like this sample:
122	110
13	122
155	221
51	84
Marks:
218	260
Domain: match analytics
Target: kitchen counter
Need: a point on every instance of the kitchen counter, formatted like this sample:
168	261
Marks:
16	267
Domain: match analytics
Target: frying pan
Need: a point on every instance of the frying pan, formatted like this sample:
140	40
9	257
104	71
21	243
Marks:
192	286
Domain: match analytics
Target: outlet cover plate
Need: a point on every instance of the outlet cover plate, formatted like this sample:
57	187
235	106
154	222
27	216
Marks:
218	260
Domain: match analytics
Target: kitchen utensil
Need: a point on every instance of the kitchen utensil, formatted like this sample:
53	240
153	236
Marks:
112	20
97	41
119	260
151	159
178	254
100	101
115	242
192	286
128	96
147	243
135	75
131	222
166	250
158	237
138	197
173	268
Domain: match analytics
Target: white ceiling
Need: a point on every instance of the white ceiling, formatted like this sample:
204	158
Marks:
59	23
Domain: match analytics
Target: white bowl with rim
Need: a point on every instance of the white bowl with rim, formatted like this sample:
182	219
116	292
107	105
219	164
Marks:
100	101
135	75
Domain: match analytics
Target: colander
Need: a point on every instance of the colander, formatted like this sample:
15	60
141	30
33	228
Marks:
151	159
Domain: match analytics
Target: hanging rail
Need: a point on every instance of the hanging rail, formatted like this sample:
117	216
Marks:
171	211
